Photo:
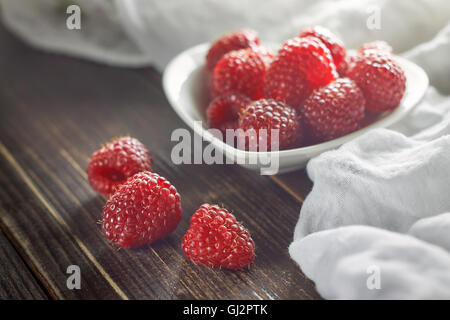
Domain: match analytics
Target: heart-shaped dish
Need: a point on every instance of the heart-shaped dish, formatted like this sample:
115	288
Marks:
185	87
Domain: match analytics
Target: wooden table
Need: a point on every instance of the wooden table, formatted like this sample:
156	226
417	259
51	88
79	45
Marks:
54	112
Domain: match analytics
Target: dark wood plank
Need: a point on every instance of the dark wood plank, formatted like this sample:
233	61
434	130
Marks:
44	240
16	281
296	183
49	126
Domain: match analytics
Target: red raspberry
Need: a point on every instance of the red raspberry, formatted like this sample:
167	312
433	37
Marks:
349	59
216	239
227	125
377	46
331	41
269	114
342	69
239	39
334	110
242	71
115	162
141	211
210	85
301	65
367	48
380	78
223	111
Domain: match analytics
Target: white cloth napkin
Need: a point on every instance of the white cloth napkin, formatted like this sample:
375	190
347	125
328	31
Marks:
376	224
379	205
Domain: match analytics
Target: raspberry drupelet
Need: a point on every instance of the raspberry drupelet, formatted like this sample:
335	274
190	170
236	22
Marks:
242	71
380	78
334	110
258	120
300	66
239	39
141	211
115	162
216	239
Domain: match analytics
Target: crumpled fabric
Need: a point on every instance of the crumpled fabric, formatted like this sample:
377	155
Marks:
379	210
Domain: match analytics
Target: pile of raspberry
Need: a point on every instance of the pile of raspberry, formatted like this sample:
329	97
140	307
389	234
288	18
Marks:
311	90
143	207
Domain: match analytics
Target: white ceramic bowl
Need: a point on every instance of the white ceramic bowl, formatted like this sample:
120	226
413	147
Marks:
185	88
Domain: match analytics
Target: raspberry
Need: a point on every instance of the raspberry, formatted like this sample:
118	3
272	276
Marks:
301	65
210	85
115	162
242	71
375	46
228	125
380	78
239	39
269	114
344	66
367	48
223	111
334	110
141	211
331	41
342	69
216	239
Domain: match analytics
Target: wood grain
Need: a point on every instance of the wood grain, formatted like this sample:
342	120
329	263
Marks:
16	280
54	112
297	184
47	246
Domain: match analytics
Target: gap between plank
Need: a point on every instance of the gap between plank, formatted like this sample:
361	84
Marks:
287	189
59	219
